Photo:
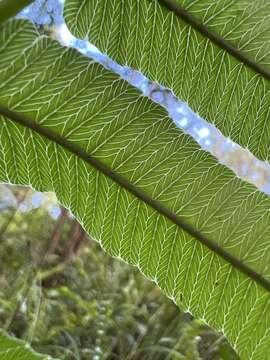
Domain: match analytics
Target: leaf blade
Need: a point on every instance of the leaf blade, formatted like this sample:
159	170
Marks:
220	88
11	348
95	110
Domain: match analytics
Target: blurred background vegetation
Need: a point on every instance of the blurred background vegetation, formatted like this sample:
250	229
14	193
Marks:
60	292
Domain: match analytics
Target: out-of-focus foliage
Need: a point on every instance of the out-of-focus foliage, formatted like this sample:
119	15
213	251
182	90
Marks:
64	296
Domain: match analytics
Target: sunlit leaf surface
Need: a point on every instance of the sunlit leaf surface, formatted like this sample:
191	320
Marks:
148	36
14	349
162	204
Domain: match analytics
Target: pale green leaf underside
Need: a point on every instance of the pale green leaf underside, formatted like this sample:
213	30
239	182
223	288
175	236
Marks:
104	116
14	349
245	23
147	36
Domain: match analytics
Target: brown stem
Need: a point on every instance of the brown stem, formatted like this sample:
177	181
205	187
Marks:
77	236
56	235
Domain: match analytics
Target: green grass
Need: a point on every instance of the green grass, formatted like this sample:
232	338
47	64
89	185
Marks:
87	305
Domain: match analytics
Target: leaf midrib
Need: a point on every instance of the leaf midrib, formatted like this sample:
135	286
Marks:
241	56
122	182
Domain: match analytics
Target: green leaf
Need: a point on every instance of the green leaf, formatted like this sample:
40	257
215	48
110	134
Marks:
14	349
9	8
137	184
221	71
